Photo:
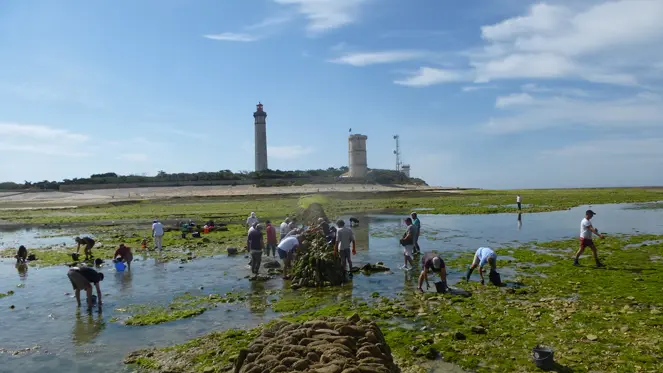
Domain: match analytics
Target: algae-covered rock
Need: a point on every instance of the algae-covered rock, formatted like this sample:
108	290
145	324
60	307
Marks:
325	345
271	264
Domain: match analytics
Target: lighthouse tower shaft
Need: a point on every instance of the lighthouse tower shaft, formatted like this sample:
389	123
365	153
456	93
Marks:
260	122
357	156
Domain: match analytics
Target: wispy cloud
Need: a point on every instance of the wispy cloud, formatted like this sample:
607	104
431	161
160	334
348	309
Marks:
427	76
39	132
325	15
41	149
472	88
417	34
288	152
270	22
513	100
567	91
231	36
373	58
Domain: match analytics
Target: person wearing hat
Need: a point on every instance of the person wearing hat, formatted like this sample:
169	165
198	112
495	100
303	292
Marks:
432	262
251	220
481	257
82	279
586	230
256	245
157	233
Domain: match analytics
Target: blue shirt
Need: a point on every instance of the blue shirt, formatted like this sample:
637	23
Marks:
484	253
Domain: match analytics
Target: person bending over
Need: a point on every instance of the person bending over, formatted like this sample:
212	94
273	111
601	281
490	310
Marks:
82	279
21	254
432	262
286	250
124	254
88	242
481	257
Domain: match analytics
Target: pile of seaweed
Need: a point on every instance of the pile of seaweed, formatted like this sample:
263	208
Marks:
315	263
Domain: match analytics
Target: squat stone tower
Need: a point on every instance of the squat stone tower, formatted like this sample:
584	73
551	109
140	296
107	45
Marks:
357	156
260	138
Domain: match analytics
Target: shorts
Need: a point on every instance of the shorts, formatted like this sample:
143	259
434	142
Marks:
78	281
407	250
586	242
282	254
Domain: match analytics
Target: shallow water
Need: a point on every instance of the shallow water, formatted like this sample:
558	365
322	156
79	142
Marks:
36	238
76	341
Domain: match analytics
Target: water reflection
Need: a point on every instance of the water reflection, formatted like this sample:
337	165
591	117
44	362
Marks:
22	269
87	327
123	281
258	297
520	220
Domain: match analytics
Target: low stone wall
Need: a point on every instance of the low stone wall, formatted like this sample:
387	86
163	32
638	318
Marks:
325	345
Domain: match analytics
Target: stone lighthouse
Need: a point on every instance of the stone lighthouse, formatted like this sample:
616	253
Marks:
357	156
261	138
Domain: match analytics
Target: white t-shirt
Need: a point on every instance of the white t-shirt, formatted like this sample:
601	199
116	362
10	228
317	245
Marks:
284	229
288	244
483	254
584	229
251	220
157	228
518	199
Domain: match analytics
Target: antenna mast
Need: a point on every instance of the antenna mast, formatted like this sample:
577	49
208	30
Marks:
397	152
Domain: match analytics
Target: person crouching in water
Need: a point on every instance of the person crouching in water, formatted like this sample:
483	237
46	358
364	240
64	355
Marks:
287	249
344	238
481	257
88	242
123	253
82	279
21	255
432	262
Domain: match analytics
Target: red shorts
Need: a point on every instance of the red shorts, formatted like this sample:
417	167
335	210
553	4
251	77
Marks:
586	242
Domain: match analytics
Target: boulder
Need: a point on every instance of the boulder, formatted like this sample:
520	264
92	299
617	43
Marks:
232	250
270	264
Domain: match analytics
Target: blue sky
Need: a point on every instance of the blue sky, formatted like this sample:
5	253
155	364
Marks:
493	94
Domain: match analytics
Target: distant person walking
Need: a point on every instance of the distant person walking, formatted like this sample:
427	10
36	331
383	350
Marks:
481	257
407	241
82	279
124	254
256	245
271	239
586	231
345	239
415	221
88	242
157	234
284	229
519	201
251	220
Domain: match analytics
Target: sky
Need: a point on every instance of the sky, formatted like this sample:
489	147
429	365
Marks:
486	94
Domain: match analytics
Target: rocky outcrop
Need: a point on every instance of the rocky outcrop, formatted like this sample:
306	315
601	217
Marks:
325	345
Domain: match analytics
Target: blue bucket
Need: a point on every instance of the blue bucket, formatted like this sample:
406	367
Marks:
120	266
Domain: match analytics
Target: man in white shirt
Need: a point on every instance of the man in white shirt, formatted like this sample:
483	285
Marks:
283	228
286	250
251	220
519	200
481	257
586	230
157	233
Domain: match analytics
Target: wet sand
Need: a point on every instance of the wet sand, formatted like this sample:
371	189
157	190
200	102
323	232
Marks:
33	200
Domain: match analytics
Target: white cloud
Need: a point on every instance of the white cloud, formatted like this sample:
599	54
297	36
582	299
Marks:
513	99
599	41
324	15
133	157
41	149
39	132
270	22
472	88
566	91
372	58
288	152
231	36
427	76
630	114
